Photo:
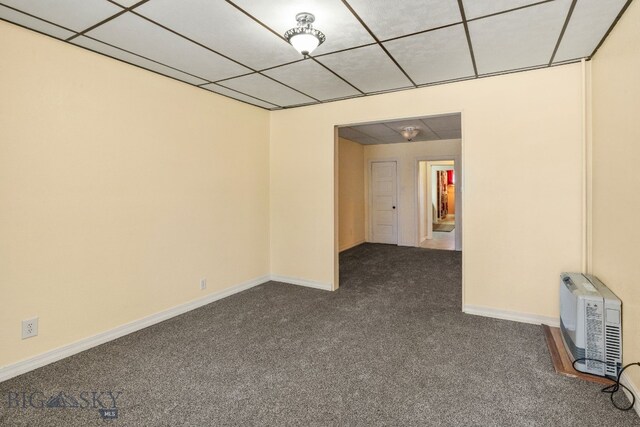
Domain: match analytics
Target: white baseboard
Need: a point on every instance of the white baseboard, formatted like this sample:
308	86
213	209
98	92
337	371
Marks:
511	315
13	370
353	245
624	379
302	282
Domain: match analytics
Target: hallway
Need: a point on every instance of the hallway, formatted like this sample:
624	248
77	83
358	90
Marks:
444	240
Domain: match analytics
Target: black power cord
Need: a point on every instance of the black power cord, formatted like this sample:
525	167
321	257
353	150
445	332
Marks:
613	388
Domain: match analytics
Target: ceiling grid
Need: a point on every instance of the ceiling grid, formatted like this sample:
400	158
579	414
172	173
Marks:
466	31
432	128
236	48
377	41
564	28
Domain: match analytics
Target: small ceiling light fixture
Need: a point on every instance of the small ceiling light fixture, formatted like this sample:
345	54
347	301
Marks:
409	132
304	38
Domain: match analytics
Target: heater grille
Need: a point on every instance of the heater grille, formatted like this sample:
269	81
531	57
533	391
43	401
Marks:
612	349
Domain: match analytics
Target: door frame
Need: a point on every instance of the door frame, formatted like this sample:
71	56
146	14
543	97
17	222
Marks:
457	166
368	214
460	203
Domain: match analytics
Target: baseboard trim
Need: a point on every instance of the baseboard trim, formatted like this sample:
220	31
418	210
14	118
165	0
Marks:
13	370
624	380
511	315
353	245
302	282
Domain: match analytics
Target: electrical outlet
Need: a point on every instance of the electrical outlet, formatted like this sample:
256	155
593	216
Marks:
29	328
203	284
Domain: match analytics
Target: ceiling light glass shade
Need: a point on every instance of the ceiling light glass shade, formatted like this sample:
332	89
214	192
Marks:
304	43
304	38
409	132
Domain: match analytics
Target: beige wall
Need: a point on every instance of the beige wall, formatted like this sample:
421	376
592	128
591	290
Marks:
423	204
527	126
407	155
351	193
451	198
616	177
119	190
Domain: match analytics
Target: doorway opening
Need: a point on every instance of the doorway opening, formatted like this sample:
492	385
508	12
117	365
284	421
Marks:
438	219
381	193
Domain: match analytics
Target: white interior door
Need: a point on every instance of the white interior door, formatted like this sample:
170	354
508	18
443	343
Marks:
384	200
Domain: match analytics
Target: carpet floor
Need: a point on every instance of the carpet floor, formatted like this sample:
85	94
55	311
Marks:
391	347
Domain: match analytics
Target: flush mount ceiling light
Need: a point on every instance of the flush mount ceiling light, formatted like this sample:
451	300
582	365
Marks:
409	132
304	38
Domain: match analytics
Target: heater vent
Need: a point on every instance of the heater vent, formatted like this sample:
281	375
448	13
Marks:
613	354
591	323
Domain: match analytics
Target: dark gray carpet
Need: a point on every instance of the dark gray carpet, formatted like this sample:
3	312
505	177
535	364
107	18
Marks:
391	347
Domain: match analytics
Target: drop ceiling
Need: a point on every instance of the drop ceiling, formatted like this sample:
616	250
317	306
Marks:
433	128
236	49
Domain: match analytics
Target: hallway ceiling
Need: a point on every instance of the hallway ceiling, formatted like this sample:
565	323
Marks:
235	48
448	126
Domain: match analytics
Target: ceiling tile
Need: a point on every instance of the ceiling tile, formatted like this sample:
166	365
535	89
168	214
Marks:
399	124
223	28
434	56
378	131
350	134
588	24
266	89
476	8
427	135
313	79
332	18
33	23
140	36
76	15
444	123
225	39
355	66
126	3
407	16
240	97
520	39
449	127
134	59
450	134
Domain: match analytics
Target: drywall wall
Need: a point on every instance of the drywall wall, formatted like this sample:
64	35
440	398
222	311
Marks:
351	193
423	205
525	126
406	155
451	198
120	189
616	179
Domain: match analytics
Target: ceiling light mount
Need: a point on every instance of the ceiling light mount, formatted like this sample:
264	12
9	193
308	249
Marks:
409	132
304	38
